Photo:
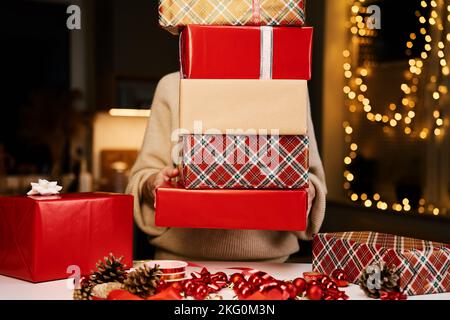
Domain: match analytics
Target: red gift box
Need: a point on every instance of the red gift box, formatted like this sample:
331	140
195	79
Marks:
244	162
283	210
423	266
41	236
220	52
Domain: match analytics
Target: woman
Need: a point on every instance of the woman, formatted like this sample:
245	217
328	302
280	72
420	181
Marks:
154	166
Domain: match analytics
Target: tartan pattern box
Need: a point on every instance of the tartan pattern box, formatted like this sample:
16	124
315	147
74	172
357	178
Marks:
244	161
424	266
177	13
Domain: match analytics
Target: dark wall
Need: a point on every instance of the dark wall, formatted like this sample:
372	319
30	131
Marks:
34	64
130	44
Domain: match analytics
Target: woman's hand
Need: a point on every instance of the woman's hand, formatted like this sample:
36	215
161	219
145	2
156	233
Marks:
158	179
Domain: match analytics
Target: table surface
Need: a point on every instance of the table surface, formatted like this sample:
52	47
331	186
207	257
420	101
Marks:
14	289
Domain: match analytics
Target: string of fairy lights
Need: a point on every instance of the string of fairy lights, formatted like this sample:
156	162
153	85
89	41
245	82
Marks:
400	115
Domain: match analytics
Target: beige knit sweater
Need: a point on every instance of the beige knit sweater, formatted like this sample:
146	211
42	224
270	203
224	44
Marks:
210	244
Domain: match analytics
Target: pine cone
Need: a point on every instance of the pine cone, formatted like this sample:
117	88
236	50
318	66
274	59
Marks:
84	290
143	281
386	279
111	269
82	294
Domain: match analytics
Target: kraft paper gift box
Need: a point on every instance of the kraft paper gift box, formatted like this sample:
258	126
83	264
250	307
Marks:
178	13
243	106
249	162
423	266
41	236
283	210
219	52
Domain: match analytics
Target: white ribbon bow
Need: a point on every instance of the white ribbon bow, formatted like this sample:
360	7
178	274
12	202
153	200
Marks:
44	188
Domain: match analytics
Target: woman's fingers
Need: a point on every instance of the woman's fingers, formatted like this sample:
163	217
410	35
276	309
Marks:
169	173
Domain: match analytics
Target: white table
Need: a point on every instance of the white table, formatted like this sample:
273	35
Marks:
13	289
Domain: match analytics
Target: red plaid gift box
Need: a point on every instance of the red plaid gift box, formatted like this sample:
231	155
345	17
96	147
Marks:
244	162
424	266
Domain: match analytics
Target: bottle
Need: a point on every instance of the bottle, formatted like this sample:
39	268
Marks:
85	177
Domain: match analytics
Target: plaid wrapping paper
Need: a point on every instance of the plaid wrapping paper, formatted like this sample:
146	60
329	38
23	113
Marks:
424	266
175	13
244	162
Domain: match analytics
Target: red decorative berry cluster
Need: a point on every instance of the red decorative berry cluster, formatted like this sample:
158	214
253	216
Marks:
200	286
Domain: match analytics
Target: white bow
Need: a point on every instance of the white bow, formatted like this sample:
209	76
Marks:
44	188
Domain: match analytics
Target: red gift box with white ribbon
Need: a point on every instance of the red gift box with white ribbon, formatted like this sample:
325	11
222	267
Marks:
221	52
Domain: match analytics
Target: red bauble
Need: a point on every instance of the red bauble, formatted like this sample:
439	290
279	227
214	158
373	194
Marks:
245	291
300	284
235	277
340	277
200	292
255	279
239	285
313	283
189	286
314	292
292	290
221	276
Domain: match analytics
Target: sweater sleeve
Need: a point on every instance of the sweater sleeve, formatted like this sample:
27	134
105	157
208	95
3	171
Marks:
317	186
154	155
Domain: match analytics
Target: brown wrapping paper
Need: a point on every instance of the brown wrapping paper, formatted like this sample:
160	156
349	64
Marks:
248	105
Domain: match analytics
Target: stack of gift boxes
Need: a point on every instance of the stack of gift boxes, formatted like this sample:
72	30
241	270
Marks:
243	115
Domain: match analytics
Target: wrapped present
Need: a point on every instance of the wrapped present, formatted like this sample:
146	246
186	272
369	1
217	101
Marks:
178	13
243	106
283	210
42	236
250	162
211	52
423	266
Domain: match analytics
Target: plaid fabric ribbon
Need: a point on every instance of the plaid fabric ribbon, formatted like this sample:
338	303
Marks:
175	13
244	162
424	266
